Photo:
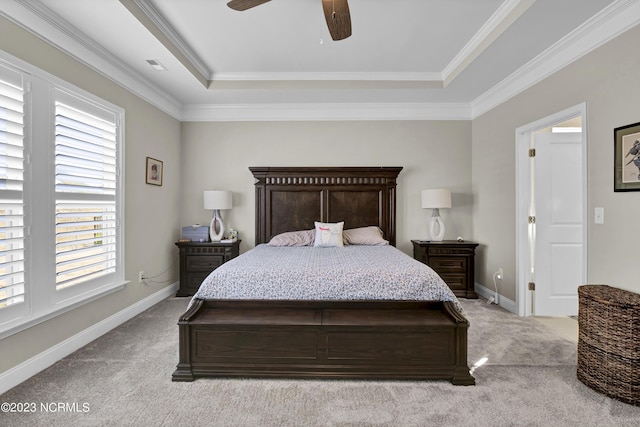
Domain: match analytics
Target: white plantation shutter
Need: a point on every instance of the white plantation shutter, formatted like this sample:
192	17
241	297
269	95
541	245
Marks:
12	264
46	270
86	160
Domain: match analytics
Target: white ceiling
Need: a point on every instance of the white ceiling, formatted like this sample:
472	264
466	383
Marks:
410	58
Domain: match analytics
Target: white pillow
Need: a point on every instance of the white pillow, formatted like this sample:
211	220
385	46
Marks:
328	234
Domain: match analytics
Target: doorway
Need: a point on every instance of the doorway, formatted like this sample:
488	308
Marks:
551	208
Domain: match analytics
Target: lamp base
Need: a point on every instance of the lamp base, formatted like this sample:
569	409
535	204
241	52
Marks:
216	222
436	226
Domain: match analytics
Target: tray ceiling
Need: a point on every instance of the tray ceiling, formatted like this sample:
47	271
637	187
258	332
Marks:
409	58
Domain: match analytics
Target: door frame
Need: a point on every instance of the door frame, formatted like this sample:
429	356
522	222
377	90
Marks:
523	196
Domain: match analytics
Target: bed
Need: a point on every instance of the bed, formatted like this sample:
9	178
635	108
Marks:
329	331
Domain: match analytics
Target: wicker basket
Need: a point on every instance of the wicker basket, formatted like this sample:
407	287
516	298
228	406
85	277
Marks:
609	341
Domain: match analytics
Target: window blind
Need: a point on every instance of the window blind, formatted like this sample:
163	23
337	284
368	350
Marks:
12	257
85	187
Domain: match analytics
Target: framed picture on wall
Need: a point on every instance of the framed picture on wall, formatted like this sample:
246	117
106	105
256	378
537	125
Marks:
627	158
154	171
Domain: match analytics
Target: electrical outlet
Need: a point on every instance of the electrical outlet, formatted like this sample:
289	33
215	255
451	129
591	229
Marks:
500	273
140	276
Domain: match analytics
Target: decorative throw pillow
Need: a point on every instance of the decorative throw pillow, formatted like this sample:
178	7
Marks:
293	238
328	234
364	236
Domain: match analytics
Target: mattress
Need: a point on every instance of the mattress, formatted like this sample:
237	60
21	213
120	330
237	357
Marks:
325	273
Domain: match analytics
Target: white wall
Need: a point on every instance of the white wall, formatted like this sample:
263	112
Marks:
608	80
151	213
434	154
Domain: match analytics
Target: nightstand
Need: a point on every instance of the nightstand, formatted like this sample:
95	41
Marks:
452	260
198	259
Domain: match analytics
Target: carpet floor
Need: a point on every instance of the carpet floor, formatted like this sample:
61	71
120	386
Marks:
124	379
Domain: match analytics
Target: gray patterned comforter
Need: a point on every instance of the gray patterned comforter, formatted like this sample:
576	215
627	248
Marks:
310	273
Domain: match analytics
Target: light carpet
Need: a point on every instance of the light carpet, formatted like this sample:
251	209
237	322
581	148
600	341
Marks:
124	379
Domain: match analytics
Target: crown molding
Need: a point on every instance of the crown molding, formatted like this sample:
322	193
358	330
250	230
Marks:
499	22
331	76
155	23
327	112
36	18
39	20
327	80
611	22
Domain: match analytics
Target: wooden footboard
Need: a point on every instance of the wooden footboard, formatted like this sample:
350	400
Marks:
320	339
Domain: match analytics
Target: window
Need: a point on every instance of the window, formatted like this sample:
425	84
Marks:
85	185
61	198
11	186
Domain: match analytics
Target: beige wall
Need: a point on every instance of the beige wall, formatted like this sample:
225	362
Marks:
608	81
434	155
199	156
152	213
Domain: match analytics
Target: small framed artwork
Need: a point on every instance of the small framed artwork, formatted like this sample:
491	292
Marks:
154	171
627	158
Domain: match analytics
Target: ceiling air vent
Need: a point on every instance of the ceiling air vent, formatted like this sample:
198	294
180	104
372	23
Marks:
156	65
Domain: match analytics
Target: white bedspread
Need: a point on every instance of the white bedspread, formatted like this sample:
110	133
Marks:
310	273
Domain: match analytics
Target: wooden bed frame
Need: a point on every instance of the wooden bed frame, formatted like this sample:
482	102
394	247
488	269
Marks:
323	339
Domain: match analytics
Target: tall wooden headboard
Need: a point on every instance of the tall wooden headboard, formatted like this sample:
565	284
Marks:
292	198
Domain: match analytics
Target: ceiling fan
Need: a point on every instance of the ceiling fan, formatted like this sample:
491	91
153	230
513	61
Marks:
336	13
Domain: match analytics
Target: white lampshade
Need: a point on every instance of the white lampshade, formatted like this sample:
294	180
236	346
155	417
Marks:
436	199
216	200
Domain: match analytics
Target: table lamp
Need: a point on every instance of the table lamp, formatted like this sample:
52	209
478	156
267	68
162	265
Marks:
436	200
216	200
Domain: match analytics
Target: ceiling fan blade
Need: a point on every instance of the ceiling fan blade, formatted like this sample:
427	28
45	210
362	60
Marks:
241	5
336	13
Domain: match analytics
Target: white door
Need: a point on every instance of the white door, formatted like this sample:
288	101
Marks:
559	223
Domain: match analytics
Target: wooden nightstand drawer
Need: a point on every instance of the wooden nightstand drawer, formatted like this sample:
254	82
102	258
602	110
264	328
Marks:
448	251
444	264
457	282
452	260
199	259
204	262
200	249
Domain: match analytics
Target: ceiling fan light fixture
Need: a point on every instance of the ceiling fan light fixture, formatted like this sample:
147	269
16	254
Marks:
336	13
241	5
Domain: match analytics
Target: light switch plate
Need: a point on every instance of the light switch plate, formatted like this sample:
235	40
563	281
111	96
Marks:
599	216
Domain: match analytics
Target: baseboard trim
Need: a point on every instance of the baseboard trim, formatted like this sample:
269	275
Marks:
503	302
40	362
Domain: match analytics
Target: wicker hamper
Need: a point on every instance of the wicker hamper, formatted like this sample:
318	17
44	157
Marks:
609	341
